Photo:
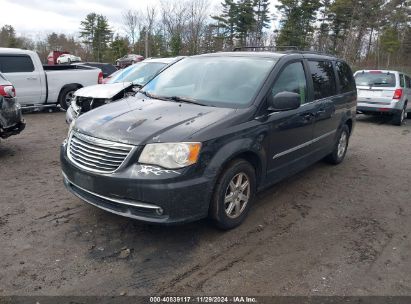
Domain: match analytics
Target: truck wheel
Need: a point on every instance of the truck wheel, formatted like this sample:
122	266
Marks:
65	97
399	118
340	147
233	195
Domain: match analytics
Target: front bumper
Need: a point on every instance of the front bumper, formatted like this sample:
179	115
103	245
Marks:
167	199
11	118
13	130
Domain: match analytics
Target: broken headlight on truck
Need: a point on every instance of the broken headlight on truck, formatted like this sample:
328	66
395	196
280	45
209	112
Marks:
170	155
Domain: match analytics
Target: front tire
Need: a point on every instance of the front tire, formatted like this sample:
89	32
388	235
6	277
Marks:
233	194
65	97
340	147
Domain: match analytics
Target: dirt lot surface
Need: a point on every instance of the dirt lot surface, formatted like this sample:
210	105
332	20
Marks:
330	230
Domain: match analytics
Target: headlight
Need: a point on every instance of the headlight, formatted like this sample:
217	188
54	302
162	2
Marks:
70	128
170	155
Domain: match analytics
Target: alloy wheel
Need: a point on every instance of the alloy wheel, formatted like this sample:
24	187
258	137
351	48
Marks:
342	144
237	195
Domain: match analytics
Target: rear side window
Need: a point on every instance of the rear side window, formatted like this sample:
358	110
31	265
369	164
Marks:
408	81
292	79
347	82
322	73
402	81
15	64
375	79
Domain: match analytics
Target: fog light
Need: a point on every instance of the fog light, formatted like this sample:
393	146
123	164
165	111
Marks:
159	211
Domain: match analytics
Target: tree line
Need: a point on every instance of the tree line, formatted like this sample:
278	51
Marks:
374	33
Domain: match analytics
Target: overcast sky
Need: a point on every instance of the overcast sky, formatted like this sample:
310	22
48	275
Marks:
39	17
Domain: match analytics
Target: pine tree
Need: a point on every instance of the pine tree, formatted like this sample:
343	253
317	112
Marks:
96	33
262	16
246	21
228	20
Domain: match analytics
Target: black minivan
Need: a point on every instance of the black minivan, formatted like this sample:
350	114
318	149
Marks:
206	134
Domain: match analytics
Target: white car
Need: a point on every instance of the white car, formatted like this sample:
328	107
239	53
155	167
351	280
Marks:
44	85
384	92
67	58
126	82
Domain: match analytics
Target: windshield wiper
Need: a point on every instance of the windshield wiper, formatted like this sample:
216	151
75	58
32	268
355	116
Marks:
185	99
152	95
137	85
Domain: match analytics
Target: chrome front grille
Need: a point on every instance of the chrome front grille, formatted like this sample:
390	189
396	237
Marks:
96	154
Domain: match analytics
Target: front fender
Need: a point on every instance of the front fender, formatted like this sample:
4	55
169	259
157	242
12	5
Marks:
252	147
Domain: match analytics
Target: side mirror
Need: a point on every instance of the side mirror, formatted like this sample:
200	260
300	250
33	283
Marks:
284	101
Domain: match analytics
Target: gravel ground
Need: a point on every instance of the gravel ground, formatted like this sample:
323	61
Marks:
330	230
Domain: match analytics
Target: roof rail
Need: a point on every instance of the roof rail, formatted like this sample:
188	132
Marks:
308	52
271	48
284	49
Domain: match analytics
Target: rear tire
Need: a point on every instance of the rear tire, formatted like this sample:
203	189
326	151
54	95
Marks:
233	195
65	97
399	118
340	147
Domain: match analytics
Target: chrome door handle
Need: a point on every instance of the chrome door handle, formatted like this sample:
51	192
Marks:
31	78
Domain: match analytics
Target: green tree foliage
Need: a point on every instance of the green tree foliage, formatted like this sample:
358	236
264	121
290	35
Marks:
242	21
297	23
96	34
118	47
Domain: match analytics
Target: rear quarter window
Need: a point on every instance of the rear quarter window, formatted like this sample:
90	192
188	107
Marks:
16	64
345	76
407	81
402	81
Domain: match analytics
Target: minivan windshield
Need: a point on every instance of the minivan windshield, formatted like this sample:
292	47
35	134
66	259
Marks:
139	73
375	79
212	80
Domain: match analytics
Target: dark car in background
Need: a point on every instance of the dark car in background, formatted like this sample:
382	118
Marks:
11	119
107	68
203	136
128	59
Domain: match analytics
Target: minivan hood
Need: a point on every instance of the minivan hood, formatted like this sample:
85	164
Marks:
140	121
108	90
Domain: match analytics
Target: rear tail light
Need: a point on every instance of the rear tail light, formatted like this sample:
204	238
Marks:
100	78
7	91
397	94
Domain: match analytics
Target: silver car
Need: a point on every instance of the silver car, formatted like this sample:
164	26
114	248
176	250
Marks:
384	92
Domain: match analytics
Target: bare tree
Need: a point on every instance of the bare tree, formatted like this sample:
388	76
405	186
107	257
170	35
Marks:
132	23
150	17
175	17
198	12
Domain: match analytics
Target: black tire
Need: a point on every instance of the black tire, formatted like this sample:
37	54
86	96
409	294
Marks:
399	117
219	210
340	147
65	97
409	115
